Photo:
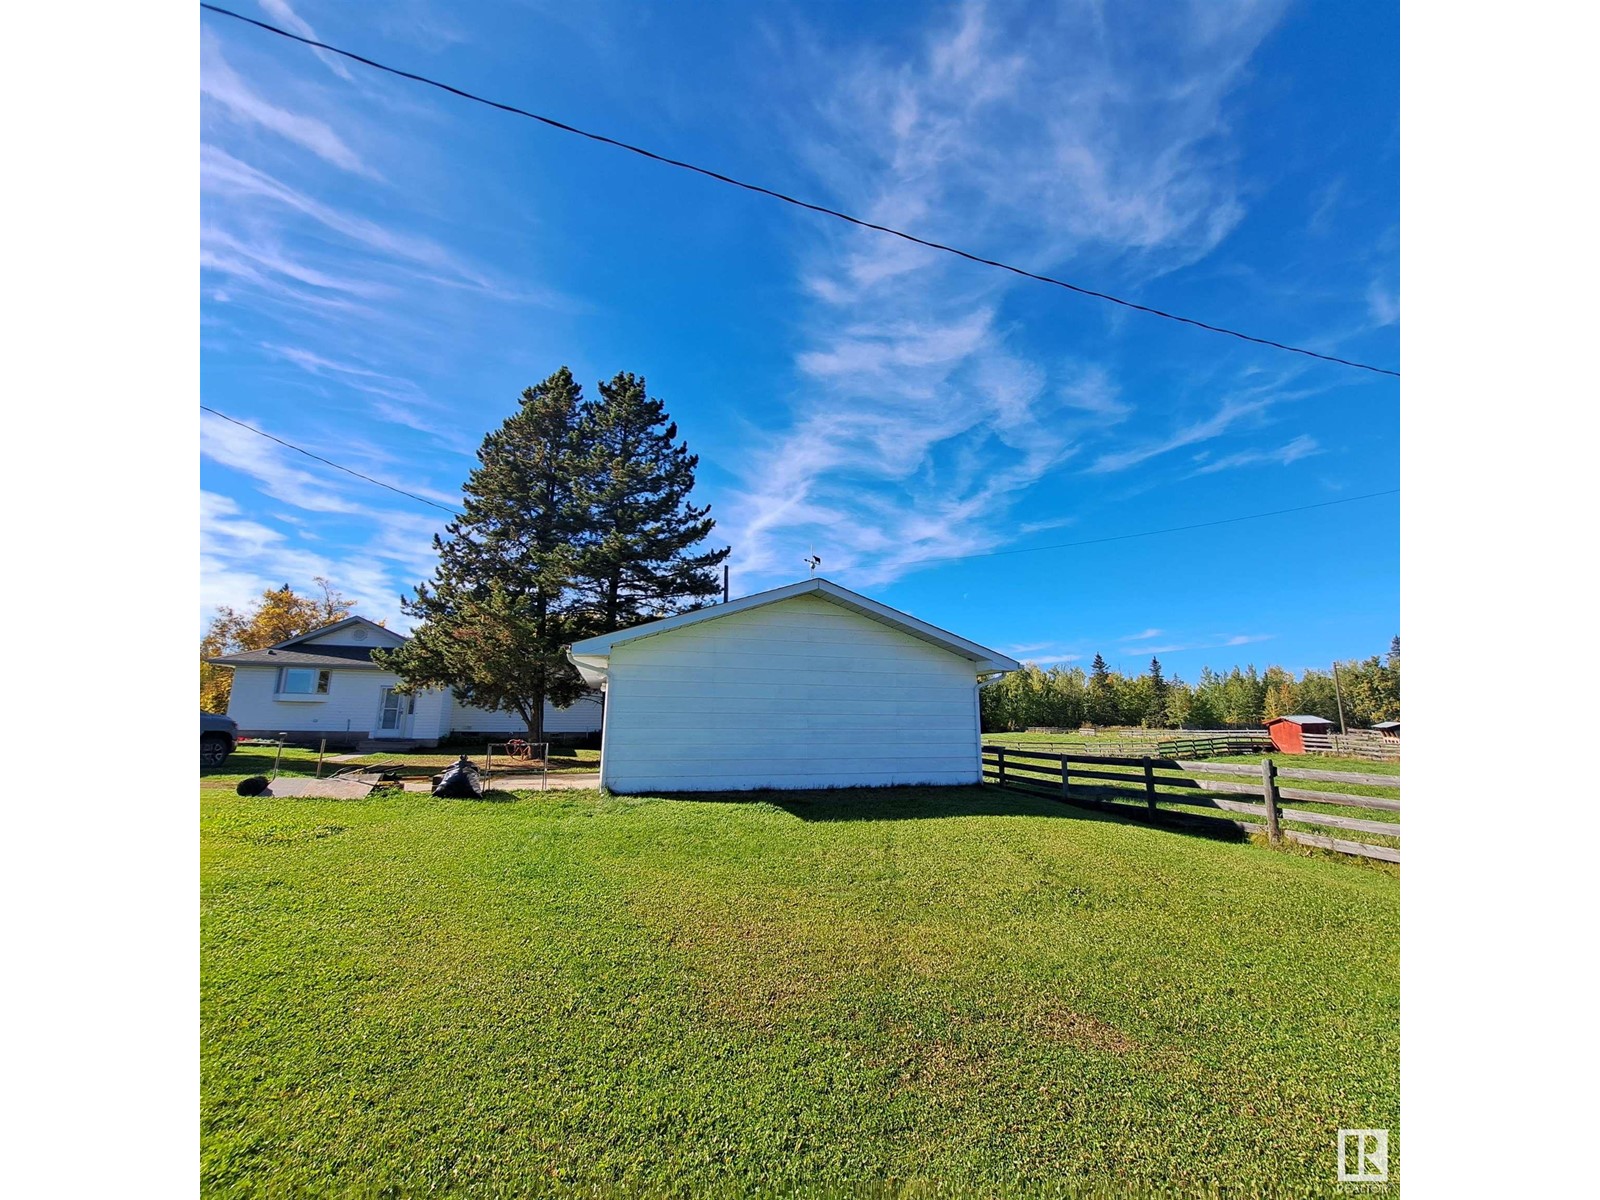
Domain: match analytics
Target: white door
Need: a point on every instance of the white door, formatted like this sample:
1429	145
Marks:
394	716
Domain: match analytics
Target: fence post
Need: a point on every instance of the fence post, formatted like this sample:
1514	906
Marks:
1065	790
1000	757
1269	797
1149	784
322	749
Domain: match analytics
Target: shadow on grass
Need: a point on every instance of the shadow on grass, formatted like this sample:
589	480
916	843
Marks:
930	803
259	762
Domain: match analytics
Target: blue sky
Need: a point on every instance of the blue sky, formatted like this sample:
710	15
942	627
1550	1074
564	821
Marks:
384	268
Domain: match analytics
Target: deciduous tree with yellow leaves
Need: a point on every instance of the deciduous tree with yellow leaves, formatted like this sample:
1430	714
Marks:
279	615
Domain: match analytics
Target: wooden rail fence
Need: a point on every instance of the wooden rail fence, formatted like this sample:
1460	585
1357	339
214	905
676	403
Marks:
1359	744
1213	745
1158	789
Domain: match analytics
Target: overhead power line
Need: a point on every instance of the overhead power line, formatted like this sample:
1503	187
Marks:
1118	537
328	461
798	203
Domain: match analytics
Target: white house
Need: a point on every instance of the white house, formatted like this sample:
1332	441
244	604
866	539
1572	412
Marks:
805	686
324	684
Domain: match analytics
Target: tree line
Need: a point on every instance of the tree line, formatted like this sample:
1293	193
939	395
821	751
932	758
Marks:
1069	697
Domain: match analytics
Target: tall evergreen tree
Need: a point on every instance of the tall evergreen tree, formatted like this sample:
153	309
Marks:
577	521
637	560
1156	716
494	623
1102	707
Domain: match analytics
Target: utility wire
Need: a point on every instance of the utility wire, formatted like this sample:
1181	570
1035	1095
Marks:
328	461
1120	537
787	199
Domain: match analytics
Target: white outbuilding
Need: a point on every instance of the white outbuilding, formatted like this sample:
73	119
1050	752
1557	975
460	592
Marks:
806	686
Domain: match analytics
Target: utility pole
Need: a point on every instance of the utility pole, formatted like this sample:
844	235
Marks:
1338	697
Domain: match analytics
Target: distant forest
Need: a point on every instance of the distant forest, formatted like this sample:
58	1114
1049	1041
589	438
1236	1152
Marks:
1069	697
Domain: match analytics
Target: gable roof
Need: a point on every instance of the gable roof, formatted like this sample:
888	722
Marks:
313	656
1302	720
592	655
344	624
294	652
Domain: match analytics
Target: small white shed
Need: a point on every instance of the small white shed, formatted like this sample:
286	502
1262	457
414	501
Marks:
806	686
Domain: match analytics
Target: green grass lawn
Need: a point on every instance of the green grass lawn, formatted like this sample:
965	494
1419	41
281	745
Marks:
908	992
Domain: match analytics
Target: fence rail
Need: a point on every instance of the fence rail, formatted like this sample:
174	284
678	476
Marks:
1210	743
1359	744
1214	745
1159	789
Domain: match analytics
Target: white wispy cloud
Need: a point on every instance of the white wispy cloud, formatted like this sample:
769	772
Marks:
240	558
1303	446
1228	414
1323	203
1140	637
1383	306
1046	523
920	422
1218	643
256	257
1044	654
220	83
281	13
223	175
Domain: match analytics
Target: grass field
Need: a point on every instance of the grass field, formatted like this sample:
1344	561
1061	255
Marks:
915	992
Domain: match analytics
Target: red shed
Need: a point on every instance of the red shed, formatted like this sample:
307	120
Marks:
1286	732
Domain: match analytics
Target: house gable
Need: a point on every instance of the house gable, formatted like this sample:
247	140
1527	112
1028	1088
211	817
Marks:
352	631
591	656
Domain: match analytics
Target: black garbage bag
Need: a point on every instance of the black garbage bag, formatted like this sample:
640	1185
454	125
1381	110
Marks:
253	786
459	781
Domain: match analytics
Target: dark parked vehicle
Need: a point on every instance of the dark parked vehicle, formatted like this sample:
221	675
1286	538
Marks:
218	736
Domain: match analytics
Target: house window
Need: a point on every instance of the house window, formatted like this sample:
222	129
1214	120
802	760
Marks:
302	681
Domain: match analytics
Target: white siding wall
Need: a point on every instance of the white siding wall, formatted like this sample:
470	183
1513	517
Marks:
351	703
431	721
799	694
582	717
355	697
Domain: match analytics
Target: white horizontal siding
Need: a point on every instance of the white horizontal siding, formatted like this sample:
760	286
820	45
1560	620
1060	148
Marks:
355	699
798	694
583	716
430	721
351	704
